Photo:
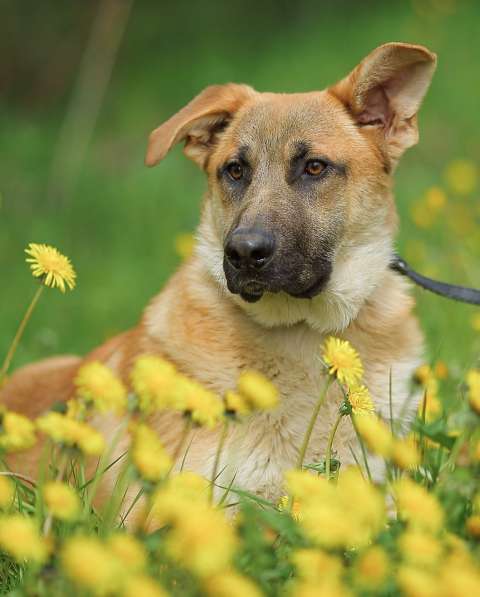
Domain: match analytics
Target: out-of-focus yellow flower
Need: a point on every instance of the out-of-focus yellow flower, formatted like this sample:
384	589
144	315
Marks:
435	198
325	588
203	541
90	565
459	581
153	380
360	401
441	370
141	585
316	565
236	404
424	374
415	582
296	509
7	492
343	361
419	548
305	486
475	452
51	266
76	409
475	321
184	245
473	382
61	500
405	453
473	525
418	507
372	568
129	551
231	584
422	215
204	407
461	176
64	430
375	434
97	384
257	390
148	454
17	432
20	538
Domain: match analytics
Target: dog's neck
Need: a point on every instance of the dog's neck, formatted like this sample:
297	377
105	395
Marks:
358	269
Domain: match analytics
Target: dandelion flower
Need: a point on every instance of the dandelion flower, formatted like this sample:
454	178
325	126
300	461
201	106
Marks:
61	500
257	390
316	565
420	548
69	432
184	245
141	585
475	322
405	453
90	565
473	383
415	582
360	401
97	384
435	198
17	433
154	382
148	454
204	407
236	404
7	492
284	506
343	361
51	266
461	176
129	551
372	568
473	525
417	507
20	538
230	583
375	434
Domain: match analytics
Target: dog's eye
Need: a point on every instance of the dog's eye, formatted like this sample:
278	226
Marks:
314	167
235	170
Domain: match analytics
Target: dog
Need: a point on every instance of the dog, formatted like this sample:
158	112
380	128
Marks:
294	244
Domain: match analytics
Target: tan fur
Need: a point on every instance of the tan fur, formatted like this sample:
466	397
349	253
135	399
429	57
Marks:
213	335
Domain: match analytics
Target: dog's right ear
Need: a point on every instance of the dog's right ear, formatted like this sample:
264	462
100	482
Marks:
198	123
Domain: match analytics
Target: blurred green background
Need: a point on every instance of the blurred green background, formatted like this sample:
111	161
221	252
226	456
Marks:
116	69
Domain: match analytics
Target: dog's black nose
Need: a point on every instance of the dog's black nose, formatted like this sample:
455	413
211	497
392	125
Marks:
249	248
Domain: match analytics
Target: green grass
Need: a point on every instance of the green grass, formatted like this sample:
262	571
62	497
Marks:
118	224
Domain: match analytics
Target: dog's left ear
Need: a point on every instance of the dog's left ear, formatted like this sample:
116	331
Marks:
198	123
384	92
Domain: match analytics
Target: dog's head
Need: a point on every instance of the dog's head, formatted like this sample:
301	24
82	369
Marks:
299	218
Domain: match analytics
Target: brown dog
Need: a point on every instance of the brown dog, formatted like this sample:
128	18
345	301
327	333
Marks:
294	243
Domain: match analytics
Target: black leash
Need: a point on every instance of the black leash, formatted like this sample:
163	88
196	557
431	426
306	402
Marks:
451	291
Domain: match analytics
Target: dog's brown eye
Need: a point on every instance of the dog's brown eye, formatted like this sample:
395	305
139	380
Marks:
314	167
235	170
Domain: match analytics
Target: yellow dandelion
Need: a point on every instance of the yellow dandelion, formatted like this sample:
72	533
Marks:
461	176
415	582
360	401
422	215
129	551
258	391
424	374
418	507
230	583
141	585
435	198
236	404
61	500
419	548
51	266
372	568
203	541
343	361
405	453
148	454
17	433
473	383
7	492
475	452
97	384
441	370
204	407
69	432
184	245
375	434
90	565
284	506
316	565
20	538
154	382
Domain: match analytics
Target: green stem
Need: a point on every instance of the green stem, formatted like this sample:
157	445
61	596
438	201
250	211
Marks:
181	443
311	425
221	443
328	457
19	334
362	447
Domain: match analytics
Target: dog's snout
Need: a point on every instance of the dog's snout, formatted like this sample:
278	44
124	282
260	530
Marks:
249	248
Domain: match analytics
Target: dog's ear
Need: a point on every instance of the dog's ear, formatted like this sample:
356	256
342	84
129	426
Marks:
198	123
384	92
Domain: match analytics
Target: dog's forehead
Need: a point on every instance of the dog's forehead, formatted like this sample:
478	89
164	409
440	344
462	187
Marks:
281	121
